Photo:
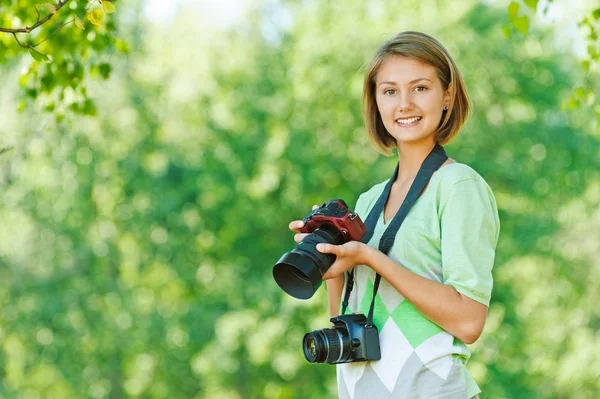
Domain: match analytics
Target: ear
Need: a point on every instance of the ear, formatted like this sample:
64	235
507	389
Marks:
447	95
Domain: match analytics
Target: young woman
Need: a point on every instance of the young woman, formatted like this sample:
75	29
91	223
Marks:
437	278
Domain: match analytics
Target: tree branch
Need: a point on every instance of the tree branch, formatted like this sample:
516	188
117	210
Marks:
63	25
17	39
39	21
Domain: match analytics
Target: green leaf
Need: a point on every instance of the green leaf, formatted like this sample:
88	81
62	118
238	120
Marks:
108	7
522	24
507	31
48	81
532	4
572	103
585	65
51	9
105	70
96	17
89	108
122	46
38	56
513	10
24	79
79	23
596	13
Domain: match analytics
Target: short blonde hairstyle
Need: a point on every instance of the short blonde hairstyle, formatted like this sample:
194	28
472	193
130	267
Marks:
426	49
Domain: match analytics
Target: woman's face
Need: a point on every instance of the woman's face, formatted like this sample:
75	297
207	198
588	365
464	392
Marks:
410	99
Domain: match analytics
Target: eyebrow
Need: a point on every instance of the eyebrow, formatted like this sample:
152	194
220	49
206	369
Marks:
391	82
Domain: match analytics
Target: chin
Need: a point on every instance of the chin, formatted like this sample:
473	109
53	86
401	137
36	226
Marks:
427	139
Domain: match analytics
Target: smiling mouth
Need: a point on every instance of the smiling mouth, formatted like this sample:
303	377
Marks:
408	121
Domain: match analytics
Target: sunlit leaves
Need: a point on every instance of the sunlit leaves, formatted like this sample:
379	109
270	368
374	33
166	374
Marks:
38	56
79	23
532	4
513	10
108	7
590	28
64	53
96	17
50	7
507	31
521	23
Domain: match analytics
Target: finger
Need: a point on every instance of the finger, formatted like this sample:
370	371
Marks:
296	225
327	249
332	272
299	237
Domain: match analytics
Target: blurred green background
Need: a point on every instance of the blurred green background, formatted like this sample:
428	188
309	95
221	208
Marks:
139	227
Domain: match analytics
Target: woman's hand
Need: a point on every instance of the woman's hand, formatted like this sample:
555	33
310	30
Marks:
347	255
335	283
297	225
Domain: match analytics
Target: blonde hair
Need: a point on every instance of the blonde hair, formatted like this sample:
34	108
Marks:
424	48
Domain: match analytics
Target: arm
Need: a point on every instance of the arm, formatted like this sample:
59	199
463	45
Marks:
456	313
335	287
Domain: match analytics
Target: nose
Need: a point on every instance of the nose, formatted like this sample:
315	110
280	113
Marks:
404	101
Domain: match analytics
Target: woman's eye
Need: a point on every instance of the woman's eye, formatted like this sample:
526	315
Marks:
420	88
389	91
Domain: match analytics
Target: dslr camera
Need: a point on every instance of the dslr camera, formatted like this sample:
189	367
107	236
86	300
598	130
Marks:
299	272
351	339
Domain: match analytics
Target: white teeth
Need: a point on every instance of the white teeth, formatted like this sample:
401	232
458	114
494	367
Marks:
408	120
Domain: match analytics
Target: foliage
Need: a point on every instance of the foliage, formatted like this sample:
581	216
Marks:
64	51
137	245
583	95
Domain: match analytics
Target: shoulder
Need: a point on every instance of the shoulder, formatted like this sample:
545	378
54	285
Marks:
456	178
456	175
456	172
459	186
367	199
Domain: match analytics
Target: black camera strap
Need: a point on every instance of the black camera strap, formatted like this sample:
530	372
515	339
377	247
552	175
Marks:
433	162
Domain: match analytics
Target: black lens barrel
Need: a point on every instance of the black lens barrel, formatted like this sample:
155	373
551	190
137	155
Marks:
300	272
329	345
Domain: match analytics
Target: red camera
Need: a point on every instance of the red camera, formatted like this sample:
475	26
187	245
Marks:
336	212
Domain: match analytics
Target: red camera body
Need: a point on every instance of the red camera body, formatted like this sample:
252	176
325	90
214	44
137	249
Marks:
336	213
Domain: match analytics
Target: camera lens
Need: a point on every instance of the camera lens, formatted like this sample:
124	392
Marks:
299	272
311	348
329	345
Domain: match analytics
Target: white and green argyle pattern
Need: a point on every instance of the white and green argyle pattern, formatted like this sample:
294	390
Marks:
416	353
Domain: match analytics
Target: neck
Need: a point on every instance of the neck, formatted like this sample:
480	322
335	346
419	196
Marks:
411	157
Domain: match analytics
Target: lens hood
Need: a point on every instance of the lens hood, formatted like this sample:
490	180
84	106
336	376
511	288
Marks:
297	275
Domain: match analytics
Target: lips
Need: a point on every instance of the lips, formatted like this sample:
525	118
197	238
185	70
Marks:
408	121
